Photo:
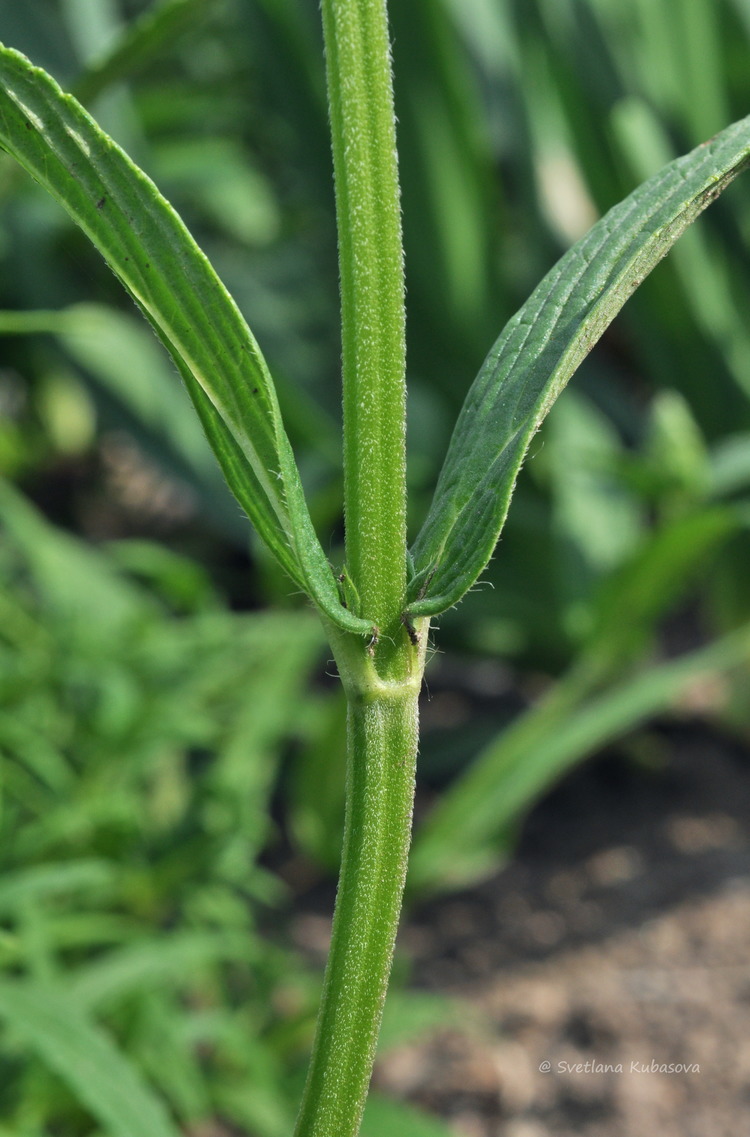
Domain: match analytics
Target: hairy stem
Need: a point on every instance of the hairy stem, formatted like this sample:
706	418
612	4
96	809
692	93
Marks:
372	308
382	678
382	740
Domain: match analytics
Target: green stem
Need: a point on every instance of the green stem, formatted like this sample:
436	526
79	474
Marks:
382	678
363	134
382	734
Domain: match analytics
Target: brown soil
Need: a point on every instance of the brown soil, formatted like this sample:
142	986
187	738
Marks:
608	963
605	971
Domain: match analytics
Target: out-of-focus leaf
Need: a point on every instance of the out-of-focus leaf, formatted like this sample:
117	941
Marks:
142	40
461	841
706	274
676	450
315	790
597	521
79	584
383	1118
40	882
408	1015
167	961
84	1057
649	583
730	465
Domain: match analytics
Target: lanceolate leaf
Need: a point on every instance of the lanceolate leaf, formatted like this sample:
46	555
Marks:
147	246
538	352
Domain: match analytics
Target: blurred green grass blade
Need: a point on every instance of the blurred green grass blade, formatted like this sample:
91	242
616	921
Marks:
511	773
159	962
539	351
78	583
85	1058
41	882
384	1117
596	520
705	102
488	30
142	40
410	1015
681	63
151	252
449	185
729	465
653	579
30	742
709	280
123	356
124	359
174	1066
315	788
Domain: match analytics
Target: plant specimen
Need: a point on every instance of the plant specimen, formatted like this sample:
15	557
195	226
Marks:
377	607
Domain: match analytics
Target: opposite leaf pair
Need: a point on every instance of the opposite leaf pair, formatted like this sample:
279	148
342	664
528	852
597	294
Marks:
150	250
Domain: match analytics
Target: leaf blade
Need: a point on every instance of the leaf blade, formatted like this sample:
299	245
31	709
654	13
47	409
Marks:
149	249
538	352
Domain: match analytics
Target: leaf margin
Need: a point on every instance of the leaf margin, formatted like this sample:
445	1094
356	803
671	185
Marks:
238	402
442	540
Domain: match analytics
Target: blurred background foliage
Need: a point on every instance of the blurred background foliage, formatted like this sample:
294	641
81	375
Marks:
172	750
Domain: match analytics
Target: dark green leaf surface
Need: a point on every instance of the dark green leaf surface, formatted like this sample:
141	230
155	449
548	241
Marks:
537	354
149	249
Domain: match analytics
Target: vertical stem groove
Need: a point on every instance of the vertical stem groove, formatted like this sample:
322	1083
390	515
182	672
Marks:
363	135
381	679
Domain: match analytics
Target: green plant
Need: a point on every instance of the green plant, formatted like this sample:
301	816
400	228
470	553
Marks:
129	861
141	731
376	609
